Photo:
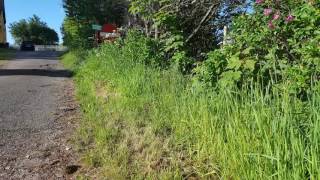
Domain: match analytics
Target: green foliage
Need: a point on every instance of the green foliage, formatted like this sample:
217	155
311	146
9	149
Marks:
145	8
186	27
82	14
143	50
33	30
258	120
76	35
96	11
269	49
141	122
135	46
178	27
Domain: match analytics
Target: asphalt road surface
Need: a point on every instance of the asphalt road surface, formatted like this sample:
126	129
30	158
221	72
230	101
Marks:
36	118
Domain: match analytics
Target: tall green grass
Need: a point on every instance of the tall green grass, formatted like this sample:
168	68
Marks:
145	123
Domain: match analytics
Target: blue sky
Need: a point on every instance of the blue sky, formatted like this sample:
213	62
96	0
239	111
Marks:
50	11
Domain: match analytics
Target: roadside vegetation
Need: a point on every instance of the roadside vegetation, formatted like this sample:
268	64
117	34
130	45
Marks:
34	30
162	108
6	54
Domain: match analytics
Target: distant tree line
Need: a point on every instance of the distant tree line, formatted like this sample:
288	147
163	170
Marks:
35	30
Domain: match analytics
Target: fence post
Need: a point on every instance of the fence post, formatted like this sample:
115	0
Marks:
225	34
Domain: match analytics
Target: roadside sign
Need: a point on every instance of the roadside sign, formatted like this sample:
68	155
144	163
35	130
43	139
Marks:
96	27
109	28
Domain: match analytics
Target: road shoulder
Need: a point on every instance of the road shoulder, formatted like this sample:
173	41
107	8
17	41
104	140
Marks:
5	55
36	138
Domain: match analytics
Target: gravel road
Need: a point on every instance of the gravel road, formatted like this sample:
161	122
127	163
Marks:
37	115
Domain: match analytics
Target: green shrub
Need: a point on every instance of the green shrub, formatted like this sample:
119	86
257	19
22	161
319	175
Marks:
141	49
142	122
273	45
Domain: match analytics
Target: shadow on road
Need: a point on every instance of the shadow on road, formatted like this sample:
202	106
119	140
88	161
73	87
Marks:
36	72
37	55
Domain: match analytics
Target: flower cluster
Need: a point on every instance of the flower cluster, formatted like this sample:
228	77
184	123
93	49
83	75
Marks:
274	14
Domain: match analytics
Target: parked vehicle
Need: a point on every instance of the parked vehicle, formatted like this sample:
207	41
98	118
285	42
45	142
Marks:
27	46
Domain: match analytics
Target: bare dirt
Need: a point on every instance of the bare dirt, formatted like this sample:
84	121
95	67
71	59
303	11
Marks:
38	115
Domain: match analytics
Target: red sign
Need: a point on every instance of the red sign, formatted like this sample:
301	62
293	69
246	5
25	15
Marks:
109	28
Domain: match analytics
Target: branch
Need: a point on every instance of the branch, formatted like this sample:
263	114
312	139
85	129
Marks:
211	9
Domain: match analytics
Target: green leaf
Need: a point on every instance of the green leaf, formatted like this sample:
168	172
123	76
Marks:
250	64
247	51
232	75
234	62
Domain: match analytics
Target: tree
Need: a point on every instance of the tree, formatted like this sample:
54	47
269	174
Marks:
19	31
192	27
81	14
74	34
98	11
33	30
187	29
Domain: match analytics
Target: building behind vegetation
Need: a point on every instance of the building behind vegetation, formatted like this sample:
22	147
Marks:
3	31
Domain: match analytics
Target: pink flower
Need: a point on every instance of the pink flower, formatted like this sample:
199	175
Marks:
259	1
267	11
271	25
276	16
289	18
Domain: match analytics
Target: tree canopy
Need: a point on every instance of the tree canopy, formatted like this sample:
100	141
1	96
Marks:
194	25
81	14
96	11
35	30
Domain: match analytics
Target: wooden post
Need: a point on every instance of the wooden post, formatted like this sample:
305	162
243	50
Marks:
225	34
156	32
146	26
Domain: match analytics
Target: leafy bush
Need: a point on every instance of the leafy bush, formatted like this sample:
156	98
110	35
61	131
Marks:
141	122
75	35
142	49
278	44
